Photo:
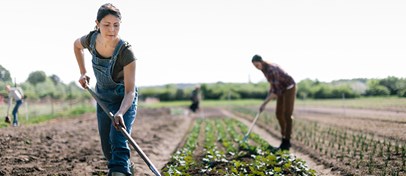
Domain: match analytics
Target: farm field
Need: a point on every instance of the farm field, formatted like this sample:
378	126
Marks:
350	141
332	140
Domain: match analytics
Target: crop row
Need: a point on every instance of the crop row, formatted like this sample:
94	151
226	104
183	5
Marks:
215	147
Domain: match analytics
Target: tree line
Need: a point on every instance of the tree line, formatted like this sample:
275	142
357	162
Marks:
39	86
306	89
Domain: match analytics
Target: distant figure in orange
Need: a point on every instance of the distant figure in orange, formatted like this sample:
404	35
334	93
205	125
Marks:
283	89
195	97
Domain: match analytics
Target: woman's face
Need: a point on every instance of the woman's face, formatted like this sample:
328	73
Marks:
258	65
109	27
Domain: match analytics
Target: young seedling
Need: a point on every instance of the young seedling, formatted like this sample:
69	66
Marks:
389	147
370	164
396	147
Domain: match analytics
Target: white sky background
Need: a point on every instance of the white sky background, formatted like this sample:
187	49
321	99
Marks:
194	41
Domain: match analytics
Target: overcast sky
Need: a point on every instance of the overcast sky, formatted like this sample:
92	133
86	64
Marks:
192	41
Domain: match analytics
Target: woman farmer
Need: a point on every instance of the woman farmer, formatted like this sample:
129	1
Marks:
283	89
114	68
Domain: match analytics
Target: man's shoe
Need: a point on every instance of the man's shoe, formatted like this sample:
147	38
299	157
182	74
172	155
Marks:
7	119
285	145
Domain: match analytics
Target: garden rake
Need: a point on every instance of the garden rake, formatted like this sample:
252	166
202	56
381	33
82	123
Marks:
125	133
252	125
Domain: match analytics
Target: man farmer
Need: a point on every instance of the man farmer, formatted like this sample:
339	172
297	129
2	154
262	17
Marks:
195	97
283	89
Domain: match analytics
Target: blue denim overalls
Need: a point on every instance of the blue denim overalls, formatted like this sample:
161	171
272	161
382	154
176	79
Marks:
114	144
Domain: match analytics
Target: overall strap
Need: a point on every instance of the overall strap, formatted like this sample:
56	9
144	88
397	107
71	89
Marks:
120	44
93	42
115	55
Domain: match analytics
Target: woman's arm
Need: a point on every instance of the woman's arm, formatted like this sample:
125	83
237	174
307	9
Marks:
79	54
129	94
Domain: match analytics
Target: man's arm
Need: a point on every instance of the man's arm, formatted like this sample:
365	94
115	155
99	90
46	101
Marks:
267	100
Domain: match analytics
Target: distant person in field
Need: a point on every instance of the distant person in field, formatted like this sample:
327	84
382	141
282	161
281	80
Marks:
283	89
17	94
114	67
195	97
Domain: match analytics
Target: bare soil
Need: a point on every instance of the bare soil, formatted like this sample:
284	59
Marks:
72	146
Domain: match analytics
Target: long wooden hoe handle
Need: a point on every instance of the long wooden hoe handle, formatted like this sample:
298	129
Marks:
125	133
252	125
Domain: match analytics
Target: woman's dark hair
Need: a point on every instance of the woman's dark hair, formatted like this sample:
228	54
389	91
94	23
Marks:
108	9
256	58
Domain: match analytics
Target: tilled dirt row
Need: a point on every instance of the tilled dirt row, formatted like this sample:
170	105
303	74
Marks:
72	147
61	147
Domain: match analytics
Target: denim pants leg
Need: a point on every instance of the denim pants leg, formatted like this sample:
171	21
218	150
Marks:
114	144
119	144
15	111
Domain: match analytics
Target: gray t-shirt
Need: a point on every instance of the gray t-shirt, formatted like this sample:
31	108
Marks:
16	93
125	56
